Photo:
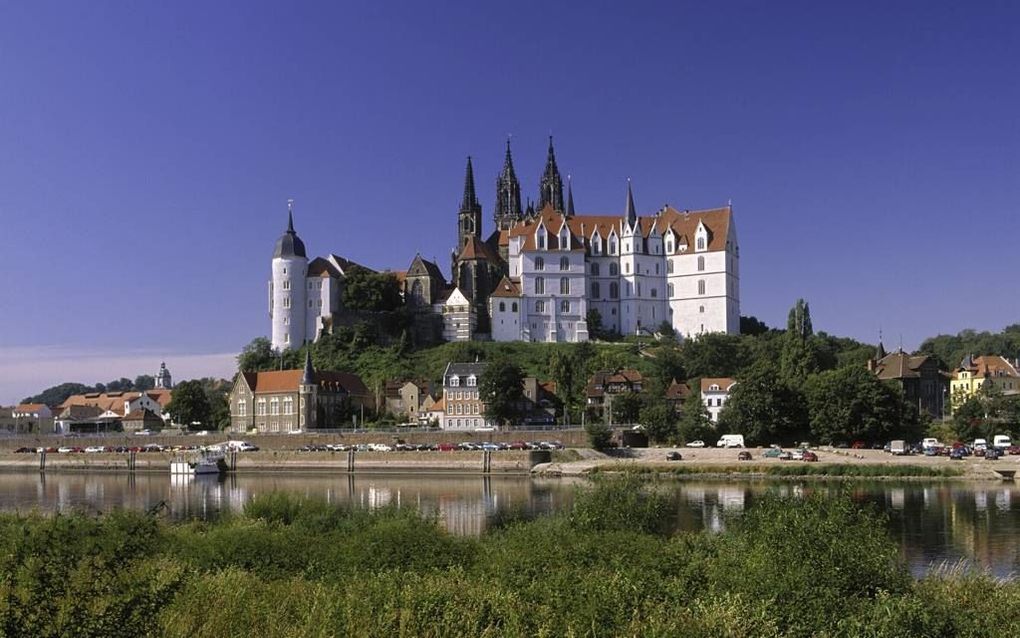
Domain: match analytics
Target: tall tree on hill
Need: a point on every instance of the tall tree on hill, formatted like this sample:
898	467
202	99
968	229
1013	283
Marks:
365	290
144	382
659	419
798	359
763	408
258	356
501	387
570	368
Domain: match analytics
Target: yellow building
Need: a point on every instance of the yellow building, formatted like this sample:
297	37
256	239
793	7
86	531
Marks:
975	373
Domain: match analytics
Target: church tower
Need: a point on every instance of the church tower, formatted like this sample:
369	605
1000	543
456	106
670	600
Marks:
163	380
308	396
469	219
550	188
508	194
287	288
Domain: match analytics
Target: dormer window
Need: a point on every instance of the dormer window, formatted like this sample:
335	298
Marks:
471	381
454	381
612	245
596	244
564	239
713	388
540	238
701	243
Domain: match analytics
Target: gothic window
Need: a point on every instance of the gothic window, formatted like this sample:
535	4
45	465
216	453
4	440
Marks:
565	306
701	263
596	245
614	269
417	292
513	307
595	290
669	266
655	293
564	286
564	263
540	240
564	239
669	289
612	246
539	263
274	406
701	243
288	405
539	285
701	286
286	284
614	290
626	246
669	246
260	407
595	270
502	306
539	306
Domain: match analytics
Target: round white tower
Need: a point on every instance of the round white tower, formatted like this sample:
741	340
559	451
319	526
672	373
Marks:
287	297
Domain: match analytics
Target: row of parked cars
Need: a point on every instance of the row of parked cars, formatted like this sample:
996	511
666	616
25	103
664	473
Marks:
238	446
1001	445
432	447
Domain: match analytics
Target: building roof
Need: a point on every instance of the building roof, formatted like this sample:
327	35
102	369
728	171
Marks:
114	401
987	366
899	365
421	266
80	412
464	369
29	407
289	244
677	391
320	267
439	405
724	384
475	249
506	288
277	381
142	414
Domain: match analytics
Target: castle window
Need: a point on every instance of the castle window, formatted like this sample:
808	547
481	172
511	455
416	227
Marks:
260	407
701	263
540	239
626	268
564	286
502	306
701	243
286	338
540	306
614	290
539	285
701	286
639	289
701	309
626	246
565	305
669	245
309	303
595	290
286	284
669	266
596	245
564	263
539	263
595	270
669	289
274	406
564	239
288	405
286	321
286	301
614	269
655	293
612	246
513	307
656	268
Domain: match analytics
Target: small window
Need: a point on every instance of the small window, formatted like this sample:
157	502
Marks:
471	381
564	285
614	269
539	263
626	269
655	293
286	284
539	285
502	306
612	246
564	263
540	306
701	243
669	289
669	266
565	306
513	307
595	290
454	381
595	270
701	286
656	268
701	263
614	290
540	239
701	309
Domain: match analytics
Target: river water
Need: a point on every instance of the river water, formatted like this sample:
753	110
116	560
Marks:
933	522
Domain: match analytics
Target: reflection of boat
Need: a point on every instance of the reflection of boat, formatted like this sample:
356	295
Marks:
205	464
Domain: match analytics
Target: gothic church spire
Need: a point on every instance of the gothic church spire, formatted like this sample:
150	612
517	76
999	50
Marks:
631	212
570	197
469	219
550	189
508	194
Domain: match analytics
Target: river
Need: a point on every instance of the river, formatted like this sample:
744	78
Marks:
933	522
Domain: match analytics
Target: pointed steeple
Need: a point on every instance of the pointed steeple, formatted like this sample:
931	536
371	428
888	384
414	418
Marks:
570	197
508	193
289	244
469	219
550	188
290	215
308	378
469	201
631	211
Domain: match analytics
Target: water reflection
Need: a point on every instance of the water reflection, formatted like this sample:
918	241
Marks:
933	523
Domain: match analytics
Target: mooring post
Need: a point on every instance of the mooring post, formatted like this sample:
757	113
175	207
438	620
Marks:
131	460
42	460
486	461
350	460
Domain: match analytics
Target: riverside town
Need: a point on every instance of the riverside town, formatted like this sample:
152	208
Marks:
242	396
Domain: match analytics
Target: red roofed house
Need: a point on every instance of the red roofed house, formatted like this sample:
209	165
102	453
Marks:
295	400
714	393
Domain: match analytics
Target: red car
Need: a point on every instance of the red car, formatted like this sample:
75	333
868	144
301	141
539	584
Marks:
446	447
810	456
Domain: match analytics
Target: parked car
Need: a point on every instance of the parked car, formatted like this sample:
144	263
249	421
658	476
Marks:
810	456
446	447
773	453
1001	442
744	456
518	445
730	440
698	443
784	456
979	445
674	456
25	450
797	455
992	454
95	449
957	454
1013	449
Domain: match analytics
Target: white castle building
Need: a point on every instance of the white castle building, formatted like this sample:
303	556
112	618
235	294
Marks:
681	267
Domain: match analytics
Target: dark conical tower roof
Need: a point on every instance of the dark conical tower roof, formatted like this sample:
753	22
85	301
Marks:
880	351
289	244
508	193
570	197
469	201
631	211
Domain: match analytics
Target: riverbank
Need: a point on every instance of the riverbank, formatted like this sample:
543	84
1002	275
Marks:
575	462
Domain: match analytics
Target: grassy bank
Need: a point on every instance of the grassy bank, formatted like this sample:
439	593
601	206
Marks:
834	470
609	566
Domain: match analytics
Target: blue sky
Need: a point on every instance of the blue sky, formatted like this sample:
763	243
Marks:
147	150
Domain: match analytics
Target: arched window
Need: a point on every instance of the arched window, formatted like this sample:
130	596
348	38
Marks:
540	239
614	290
539	285
539	263
513	307
614	269
564	286
565	306
502	306
612	246
564	263
701	262
701	243
564	239
540	306
596	245
701	286
595	270
417	292
669	245
595	290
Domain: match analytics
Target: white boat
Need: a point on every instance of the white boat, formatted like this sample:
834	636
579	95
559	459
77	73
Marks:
205	464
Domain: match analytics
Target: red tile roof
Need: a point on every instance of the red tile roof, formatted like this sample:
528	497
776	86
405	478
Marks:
506	288
724	384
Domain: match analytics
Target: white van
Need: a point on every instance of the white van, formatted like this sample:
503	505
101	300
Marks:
1001	442
731	440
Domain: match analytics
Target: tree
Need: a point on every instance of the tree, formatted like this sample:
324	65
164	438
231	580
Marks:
501	387
659	420
569	367
852	403
594	320
59	393
752	326
763	408
600	435
695	422
257	356
799	320
798	359
371	291
969	419
190	404
626	407
144	382
713	355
